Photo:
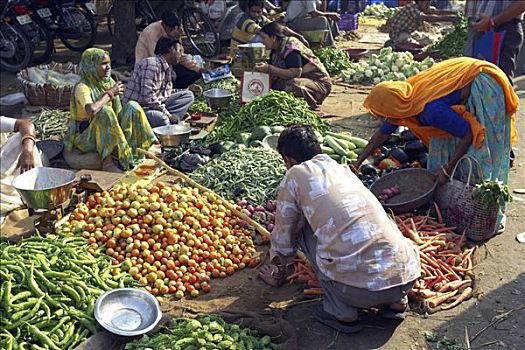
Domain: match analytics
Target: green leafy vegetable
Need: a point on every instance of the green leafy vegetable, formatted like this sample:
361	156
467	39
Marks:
334	60
206	332
492	193
452	44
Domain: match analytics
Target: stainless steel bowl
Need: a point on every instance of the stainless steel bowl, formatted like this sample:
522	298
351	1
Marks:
256	52
217	98
127	311
270	141
45	188
173	135
315	36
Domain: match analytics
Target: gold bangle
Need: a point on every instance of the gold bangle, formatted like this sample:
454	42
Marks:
444	171
29	137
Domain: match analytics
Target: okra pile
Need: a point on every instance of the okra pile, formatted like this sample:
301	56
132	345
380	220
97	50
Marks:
51	122
205	332
48	292
250	173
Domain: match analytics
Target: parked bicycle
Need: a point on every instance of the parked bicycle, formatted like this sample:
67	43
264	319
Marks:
201	33
15	46
144	15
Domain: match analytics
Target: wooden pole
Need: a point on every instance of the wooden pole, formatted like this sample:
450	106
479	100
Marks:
265	234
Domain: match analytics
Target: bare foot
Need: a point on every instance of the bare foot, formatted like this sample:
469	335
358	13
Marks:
271	275
112	168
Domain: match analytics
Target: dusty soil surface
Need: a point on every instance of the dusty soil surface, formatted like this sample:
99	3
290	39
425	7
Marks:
496	316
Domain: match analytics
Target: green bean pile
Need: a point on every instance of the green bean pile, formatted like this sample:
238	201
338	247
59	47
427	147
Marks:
51	122
48	293
275	108
205	332
251	173
334	60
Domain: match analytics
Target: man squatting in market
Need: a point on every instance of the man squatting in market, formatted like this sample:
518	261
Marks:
359	255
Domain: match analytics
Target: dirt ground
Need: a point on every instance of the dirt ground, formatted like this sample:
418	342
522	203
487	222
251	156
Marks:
496	315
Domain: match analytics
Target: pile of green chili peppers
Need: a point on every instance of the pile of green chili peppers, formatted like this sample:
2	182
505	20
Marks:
250	173
48	291
275	108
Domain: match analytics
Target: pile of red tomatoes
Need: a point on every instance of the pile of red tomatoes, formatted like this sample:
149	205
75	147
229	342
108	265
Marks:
171	239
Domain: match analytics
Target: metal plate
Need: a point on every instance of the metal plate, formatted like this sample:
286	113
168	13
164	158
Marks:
24	19
127	311
44	12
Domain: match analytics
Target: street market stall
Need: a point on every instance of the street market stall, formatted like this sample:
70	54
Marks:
177	234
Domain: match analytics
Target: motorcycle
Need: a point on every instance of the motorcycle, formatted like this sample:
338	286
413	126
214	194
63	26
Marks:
67	19
89	7
15	46
41	38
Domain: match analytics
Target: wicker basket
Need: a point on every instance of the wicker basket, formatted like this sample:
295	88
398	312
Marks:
461	210
417	188
48	94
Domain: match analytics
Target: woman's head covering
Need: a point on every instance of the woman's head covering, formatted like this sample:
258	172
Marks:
89	62
91	59
391	99
401	101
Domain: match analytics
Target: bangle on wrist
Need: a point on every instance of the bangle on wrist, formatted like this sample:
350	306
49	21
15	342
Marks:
110	94
492	23
29	137
444	171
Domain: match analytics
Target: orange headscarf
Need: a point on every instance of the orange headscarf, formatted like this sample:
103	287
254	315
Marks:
402	101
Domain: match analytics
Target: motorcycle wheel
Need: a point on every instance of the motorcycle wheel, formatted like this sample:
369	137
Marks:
200	33
43	45
21	45
87	27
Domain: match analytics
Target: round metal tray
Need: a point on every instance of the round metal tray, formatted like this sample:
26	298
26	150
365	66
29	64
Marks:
417	188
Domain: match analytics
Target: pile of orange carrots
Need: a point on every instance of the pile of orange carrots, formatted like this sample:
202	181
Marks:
303	273
446	264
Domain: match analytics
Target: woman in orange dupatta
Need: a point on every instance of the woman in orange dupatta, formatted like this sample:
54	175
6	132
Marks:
459	106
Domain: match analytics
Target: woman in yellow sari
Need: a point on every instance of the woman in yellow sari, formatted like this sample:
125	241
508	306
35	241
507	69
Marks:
457	107
99	123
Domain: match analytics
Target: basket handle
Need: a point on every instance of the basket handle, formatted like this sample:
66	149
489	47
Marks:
470	161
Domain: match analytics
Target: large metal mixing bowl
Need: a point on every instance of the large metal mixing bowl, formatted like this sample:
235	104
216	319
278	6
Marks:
127	311
217	98
45	188
256	52
173	135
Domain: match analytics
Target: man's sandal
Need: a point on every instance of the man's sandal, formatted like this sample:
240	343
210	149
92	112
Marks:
332	322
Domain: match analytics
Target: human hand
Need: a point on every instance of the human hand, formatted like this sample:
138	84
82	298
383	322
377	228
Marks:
334	16
262	67
273	275
26	161
354	167
196	89
442	177
483	25
304	41
117	89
